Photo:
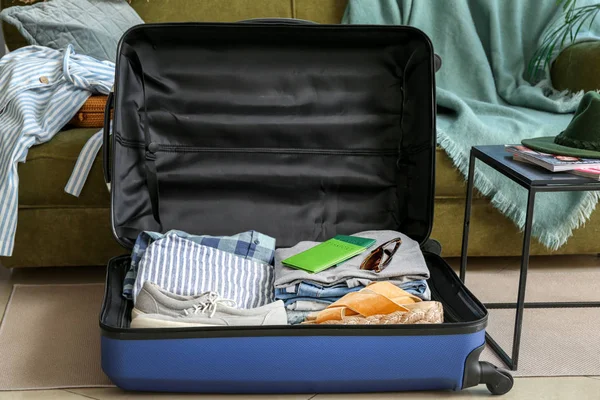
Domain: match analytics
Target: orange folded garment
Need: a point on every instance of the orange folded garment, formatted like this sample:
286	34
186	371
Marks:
425	312
375	299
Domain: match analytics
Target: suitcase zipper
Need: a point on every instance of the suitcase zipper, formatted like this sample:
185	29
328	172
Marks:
194	149
363	152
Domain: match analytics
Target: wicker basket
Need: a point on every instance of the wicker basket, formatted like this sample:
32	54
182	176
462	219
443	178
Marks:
91	114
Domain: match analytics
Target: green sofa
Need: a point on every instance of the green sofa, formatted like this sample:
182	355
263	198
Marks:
56	229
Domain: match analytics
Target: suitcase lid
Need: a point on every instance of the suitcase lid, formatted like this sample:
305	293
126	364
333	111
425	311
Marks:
300	132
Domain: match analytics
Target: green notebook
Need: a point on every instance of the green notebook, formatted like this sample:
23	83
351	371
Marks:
329	253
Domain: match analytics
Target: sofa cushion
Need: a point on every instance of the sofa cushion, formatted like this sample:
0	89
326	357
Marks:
211	10
68	236
93	27
321	11
576	68
47	170
449	182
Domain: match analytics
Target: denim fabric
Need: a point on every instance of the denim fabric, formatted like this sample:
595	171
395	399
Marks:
326	300
251	245
307	305
314	290
296	317
329	294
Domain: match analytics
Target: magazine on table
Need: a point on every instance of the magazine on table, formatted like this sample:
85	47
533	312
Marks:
552	162
592	173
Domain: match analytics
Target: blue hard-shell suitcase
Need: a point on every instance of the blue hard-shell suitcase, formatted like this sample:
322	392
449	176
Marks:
300	131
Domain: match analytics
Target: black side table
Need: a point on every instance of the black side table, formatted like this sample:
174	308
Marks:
534	179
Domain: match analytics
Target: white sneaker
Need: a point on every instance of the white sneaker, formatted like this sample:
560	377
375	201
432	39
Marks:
152	299
212	310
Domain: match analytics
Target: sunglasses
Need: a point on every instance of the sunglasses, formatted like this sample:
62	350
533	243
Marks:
381	256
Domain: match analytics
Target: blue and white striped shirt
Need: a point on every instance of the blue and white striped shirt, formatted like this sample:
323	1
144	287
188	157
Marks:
41	89
187	268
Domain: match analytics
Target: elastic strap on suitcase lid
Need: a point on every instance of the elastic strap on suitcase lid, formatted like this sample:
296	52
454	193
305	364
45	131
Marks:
150	147
106	137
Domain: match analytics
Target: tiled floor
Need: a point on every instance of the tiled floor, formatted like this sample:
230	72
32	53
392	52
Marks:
565	388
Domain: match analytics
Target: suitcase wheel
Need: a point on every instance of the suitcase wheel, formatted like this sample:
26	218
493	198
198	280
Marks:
498	380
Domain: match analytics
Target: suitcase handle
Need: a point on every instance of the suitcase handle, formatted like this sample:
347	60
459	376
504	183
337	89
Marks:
437	62
106	137
284	21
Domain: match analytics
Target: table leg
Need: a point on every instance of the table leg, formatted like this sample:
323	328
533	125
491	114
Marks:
523	279
467	221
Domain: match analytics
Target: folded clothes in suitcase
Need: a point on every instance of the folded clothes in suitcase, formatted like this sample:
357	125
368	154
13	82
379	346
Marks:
302	132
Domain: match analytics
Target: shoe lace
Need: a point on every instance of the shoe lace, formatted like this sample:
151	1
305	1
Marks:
209	304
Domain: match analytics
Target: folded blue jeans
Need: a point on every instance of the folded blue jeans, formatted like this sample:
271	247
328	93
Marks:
330	294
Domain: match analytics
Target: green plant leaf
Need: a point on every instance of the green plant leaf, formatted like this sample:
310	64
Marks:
593	17
579	27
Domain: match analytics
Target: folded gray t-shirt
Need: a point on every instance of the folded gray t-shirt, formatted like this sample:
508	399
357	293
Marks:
408	264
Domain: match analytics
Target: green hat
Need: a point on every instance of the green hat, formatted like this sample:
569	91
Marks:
582	136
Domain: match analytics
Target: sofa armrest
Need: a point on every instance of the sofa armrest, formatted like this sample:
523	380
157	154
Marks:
577	67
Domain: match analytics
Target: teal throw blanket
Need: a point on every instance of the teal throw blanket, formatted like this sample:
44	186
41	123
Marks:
483	96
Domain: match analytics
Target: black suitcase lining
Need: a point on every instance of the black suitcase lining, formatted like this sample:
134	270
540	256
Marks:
298	132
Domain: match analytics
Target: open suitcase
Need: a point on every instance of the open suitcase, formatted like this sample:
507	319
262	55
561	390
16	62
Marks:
300	131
